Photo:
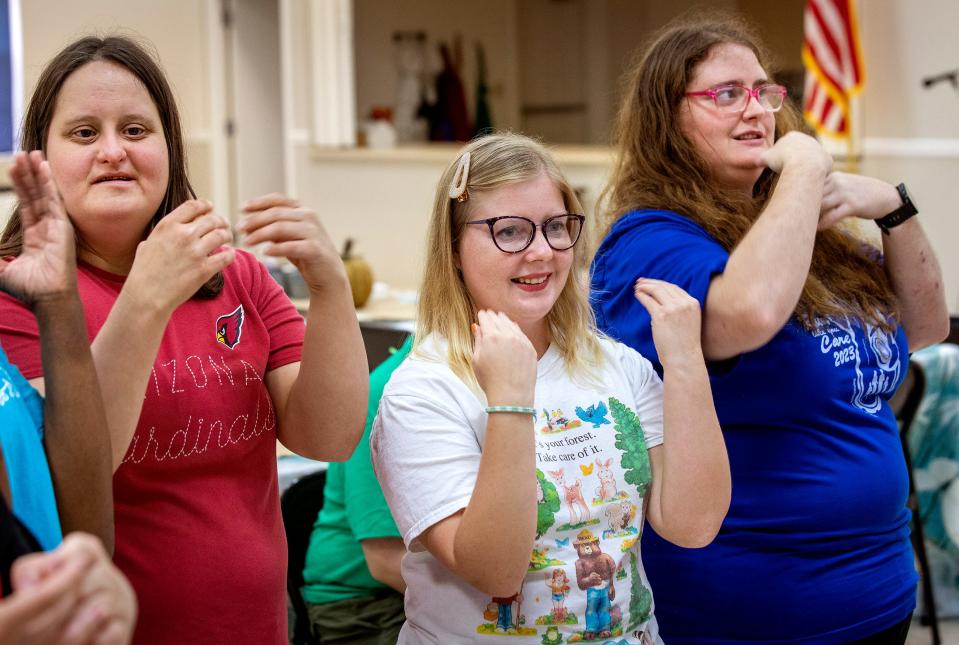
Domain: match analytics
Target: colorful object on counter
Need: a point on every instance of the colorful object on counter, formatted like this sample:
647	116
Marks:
359	274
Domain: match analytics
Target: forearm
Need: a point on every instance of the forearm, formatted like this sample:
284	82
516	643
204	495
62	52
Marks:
124	352
692	491
77	439
324	414
916	279
384	557
501	515
765	274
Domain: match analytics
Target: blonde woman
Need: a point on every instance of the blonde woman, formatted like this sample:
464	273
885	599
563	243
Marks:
487	436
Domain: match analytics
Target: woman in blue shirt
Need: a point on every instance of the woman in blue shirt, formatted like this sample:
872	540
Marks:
807	327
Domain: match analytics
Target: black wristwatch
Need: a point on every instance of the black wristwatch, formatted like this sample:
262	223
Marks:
901	214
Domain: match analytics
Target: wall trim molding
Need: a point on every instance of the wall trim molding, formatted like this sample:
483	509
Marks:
298	136
922	148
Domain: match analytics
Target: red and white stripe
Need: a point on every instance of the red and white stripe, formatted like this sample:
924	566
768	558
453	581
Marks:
833	64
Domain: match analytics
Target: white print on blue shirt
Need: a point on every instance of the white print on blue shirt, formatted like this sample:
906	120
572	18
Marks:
7	389
875	357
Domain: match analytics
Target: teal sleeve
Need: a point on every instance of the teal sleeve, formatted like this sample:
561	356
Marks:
366	509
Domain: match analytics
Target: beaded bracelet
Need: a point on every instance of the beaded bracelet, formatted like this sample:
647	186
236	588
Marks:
510	408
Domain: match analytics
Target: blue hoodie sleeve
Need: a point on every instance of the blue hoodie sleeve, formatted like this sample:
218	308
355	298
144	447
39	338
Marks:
650	244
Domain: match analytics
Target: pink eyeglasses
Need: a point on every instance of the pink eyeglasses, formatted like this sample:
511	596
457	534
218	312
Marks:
734	97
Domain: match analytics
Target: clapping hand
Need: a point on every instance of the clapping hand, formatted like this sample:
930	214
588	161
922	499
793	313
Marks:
180	255
296	233
799	149
676	321
847	195
504	360
46	266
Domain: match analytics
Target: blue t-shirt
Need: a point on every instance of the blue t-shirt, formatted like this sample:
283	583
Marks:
21	438
815	547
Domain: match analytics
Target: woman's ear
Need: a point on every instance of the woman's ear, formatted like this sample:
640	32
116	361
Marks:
456	260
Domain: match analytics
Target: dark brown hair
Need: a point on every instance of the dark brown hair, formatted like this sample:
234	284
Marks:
131	56
657	167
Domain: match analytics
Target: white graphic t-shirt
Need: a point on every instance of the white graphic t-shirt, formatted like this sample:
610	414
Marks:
585	581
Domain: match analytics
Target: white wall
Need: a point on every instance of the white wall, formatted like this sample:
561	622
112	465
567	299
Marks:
912	134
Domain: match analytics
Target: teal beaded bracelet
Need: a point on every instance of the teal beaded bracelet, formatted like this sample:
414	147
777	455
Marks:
510	408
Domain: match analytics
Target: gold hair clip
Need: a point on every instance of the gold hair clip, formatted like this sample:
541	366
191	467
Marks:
460	177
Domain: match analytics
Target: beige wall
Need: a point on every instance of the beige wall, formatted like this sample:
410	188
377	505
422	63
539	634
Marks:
903	42
909	134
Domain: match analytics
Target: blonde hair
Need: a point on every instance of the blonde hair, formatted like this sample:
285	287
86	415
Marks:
445	306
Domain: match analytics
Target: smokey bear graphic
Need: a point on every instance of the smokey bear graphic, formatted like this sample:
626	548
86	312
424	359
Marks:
595	572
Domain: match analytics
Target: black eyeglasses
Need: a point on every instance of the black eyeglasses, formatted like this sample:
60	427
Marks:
512	234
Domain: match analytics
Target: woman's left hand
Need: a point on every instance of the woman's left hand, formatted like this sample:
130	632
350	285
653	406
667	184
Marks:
296	233
847	195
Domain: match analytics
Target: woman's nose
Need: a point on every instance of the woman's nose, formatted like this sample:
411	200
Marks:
539	248
111	149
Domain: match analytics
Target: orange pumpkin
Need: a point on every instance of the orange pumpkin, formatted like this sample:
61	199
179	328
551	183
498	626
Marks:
359	274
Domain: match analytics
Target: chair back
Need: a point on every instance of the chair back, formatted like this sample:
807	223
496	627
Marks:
300	505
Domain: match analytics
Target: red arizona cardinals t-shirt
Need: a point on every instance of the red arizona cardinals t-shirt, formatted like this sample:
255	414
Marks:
198	525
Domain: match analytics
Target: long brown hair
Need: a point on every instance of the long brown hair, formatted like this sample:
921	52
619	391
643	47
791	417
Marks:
657	167
128	54
445	306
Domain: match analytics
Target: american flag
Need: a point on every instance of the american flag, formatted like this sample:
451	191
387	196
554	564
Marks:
833	61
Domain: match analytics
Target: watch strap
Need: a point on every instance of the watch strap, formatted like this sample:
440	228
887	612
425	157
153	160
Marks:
901	214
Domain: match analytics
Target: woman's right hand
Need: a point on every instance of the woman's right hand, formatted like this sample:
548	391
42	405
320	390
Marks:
46	266
504	360
180	255
676	321
796	148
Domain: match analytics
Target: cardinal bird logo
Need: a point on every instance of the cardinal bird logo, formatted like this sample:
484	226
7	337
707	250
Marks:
229	327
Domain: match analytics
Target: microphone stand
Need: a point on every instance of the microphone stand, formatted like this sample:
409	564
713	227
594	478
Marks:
951	77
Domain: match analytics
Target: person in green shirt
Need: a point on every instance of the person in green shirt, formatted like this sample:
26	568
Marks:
353	588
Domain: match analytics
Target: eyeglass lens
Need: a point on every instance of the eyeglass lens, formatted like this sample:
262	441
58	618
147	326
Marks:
513	234
734	97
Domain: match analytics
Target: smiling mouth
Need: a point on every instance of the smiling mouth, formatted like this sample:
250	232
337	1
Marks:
749	136
539	280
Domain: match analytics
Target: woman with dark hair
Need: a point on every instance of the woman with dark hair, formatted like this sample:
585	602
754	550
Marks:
203	359
716	190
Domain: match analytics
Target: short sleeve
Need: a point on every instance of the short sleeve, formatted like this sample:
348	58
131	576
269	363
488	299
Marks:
20	336
650	244
647	390
283	322
32	401
366	510
425	453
